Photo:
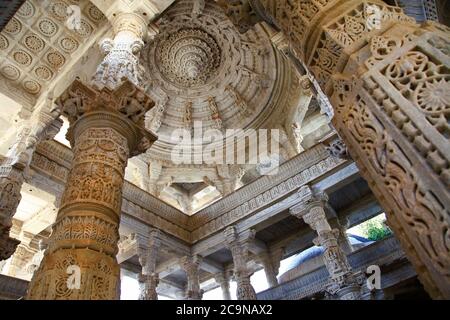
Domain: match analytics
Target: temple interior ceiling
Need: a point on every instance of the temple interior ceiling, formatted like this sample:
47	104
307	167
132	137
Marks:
196	72
219	79
203	73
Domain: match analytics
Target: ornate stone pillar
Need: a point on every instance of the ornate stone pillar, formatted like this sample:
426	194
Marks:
42	125
106	128
122	53
224	281
35	262
191	267
239	250
387	79
344	282
148	253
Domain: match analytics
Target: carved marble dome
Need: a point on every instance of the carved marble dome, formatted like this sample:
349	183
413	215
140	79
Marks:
200	68
189	58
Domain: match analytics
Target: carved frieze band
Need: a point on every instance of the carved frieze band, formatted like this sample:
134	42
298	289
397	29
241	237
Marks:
53	160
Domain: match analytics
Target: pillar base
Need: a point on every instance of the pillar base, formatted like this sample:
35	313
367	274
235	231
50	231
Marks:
191	295
352	292
347	286
76	274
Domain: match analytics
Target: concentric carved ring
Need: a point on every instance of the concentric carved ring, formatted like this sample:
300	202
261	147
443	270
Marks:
189	57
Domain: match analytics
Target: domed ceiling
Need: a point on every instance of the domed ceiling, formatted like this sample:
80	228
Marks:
201	68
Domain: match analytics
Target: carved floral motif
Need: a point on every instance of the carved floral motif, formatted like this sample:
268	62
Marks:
387	79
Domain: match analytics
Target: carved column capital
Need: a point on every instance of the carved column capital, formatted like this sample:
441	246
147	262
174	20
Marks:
191	264
311	205
122	53
317	219
147	251
43	124
122	109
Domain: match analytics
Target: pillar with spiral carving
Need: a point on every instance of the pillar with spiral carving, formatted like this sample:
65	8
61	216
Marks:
106	129
388	81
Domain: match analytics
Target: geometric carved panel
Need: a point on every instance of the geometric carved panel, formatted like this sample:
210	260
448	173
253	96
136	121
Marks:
38	42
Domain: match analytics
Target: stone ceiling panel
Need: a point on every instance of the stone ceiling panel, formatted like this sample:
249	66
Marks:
38	42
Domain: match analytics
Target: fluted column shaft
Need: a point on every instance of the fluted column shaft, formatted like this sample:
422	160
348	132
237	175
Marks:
387	79
105	130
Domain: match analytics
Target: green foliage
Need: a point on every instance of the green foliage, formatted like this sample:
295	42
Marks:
376	230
